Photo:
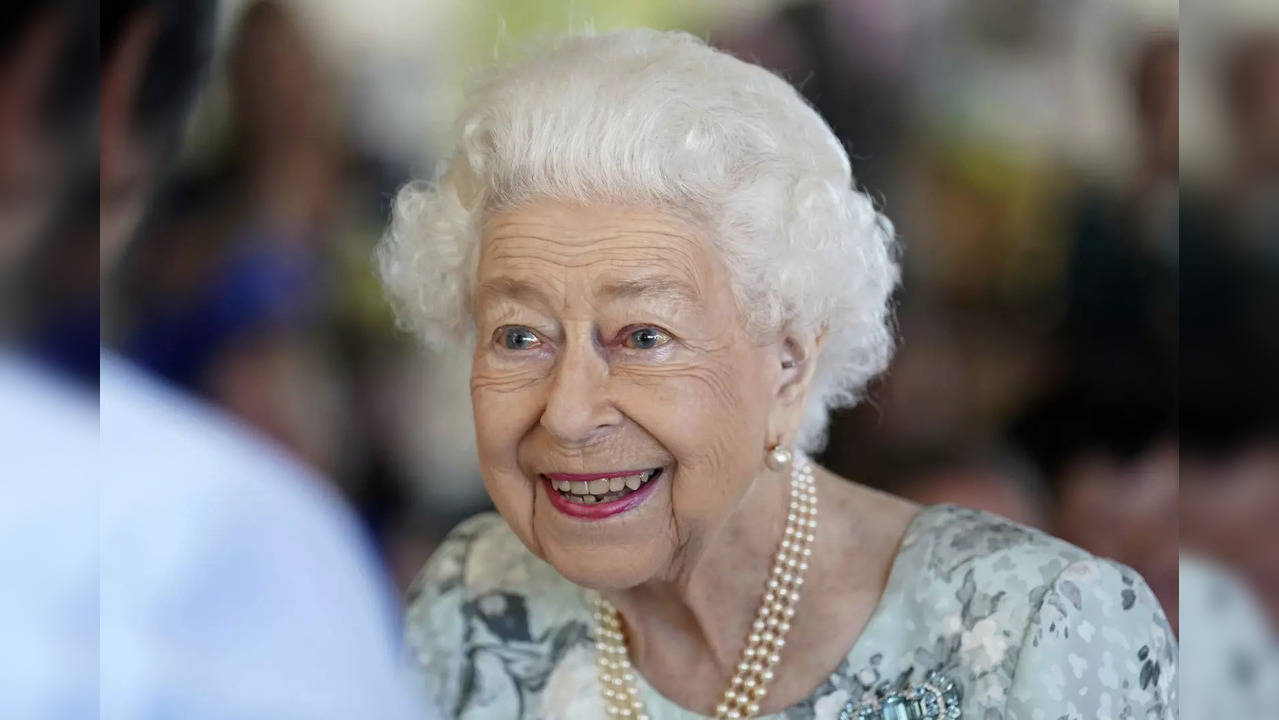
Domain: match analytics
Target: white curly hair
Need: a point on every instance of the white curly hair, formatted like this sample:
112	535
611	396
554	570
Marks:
648	117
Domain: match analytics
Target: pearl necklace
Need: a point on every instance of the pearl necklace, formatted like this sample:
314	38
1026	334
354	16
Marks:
767	637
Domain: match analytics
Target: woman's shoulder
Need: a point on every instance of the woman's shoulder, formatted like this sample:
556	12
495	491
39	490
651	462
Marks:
950	544
961	569
449	569
1030	615
485	606
981	561
481	558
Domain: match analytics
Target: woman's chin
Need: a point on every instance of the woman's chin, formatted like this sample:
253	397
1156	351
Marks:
604	569
617	551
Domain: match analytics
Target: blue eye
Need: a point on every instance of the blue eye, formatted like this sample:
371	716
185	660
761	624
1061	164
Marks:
646	338
517	338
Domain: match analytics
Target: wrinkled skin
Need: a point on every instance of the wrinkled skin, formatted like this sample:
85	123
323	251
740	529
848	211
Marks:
608	339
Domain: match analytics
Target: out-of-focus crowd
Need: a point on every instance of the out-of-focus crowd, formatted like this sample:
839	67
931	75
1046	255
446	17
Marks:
1028	153
1080	325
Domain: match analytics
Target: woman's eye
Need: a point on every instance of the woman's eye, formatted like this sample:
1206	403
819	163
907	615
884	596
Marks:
646	338
517	338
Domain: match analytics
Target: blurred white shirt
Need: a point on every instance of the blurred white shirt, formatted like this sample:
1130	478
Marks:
234	584
1229	654
48	545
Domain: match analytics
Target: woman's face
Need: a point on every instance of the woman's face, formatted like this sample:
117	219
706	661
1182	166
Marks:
612	360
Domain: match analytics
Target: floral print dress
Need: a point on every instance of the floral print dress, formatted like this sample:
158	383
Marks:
1029	628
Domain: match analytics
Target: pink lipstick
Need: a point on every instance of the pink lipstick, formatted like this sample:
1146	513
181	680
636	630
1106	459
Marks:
595	496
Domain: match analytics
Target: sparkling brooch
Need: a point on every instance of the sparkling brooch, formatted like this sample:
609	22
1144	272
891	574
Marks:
936	698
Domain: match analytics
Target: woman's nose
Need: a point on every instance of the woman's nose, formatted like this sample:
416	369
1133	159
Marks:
578	409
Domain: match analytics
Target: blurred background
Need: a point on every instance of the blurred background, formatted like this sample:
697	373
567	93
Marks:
1029	151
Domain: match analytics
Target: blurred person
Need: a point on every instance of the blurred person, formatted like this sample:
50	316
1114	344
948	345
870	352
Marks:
1126	509
999	484
1104	429
48	255
33	42
978	200
1230	288
1230	281
1230	396
1122	295
229	293
1228	504
1230	653
1109	452
255	290
1230	467
1251	97
960	372
48	426
234	583
668	279
850	60
48	544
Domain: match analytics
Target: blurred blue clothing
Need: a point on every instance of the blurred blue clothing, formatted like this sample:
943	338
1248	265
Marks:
266	283
48	545
234	583
67	341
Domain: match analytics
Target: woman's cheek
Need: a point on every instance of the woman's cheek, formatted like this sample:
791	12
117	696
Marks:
696	411
688	390
505	406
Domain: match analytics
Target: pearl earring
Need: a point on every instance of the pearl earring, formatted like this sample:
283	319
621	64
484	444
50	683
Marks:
778	457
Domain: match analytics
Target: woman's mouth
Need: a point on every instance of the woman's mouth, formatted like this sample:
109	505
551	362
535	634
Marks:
598	495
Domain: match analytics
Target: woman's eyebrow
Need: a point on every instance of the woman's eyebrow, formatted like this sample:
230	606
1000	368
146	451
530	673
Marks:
658	286
508	287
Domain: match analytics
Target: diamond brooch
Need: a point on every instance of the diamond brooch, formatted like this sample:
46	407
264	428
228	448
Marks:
936	698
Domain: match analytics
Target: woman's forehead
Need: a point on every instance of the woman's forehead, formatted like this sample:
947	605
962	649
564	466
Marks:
614	252
582	228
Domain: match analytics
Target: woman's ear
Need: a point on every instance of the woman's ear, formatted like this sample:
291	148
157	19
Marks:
797	359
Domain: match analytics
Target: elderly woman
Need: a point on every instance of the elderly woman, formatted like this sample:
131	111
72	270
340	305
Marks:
669	280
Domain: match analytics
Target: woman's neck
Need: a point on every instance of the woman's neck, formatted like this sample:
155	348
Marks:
703	612
686	634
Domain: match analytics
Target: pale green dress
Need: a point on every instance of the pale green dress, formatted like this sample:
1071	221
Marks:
1029	627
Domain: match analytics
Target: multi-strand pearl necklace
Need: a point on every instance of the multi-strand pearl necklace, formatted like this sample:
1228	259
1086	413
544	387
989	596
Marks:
768	633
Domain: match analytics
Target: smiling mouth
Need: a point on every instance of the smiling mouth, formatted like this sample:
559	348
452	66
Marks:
601	489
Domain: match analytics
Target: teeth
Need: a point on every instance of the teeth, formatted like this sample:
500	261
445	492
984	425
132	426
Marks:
592	491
